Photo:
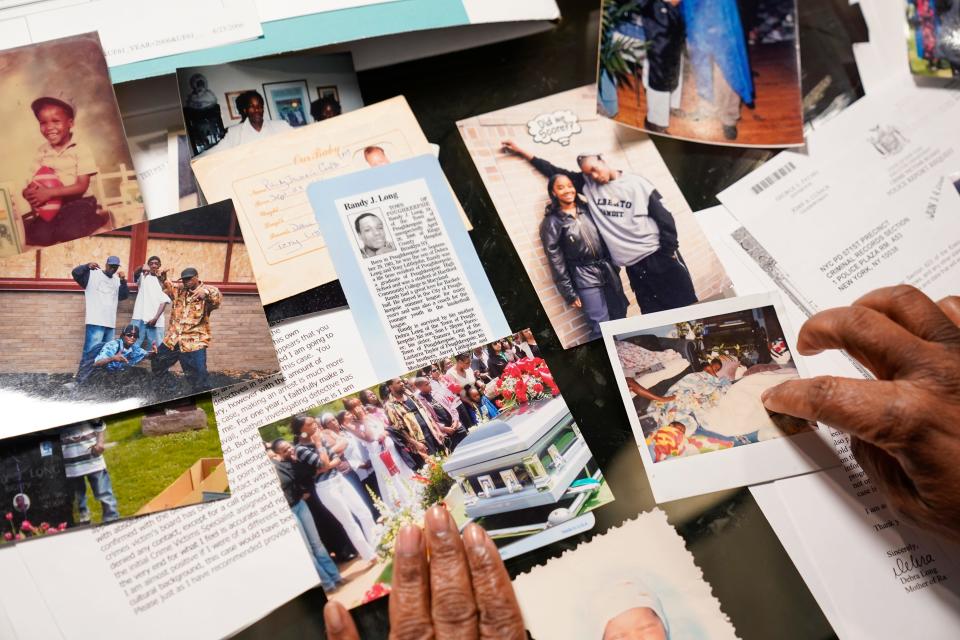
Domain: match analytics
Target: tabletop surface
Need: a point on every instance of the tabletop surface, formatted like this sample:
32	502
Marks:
731	541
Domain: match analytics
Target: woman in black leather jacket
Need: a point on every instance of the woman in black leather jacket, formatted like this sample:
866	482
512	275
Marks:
581	266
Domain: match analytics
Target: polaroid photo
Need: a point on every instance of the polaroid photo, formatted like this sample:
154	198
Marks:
588	240
691	381
723	72
129	318
598	591
103	470
230	104
66	171
486	432
405	261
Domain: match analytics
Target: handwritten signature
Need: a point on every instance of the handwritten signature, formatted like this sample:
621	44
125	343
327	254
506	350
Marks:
911	563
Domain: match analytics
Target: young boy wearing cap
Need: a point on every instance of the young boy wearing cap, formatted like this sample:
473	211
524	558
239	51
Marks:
188	334
59	192
102	291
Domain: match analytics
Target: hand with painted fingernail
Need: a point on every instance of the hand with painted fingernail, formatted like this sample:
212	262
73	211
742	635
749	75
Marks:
444	586
904	426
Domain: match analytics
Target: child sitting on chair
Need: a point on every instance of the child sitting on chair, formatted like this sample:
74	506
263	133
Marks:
59	194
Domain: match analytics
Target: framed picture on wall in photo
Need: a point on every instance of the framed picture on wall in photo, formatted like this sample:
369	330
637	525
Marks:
329	92
288	101
231	97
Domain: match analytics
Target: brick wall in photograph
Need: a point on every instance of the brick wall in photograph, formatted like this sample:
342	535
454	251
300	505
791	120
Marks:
519	193
42	331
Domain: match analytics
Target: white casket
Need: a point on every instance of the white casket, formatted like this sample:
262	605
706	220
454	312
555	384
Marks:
527	457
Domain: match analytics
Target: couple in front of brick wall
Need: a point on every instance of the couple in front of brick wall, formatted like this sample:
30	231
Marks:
107	360
623	223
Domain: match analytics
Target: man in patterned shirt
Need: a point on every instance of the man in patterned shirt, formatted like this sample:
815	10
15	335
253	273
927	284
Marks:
82	445
407	413
188	333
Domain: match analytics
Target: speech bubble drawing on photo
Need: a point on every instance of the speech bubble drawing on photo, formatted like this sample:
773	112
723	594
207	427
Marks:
558	126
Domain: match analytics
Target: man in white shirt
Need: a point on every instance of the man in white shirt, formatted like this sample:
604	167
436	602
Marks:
83	445
150	304
102	291
252	125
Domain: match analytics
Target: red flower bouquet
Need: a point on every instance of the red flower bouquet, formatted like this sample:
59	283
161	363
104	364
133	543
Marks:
525	380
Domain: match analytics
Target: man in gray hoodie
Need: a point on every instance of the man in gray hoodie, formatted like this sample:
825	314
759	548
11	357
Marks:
637	228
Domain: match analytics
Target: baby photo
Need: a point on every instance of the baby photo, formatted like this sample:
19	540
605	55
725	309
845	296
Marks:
599	592
692	380
66	171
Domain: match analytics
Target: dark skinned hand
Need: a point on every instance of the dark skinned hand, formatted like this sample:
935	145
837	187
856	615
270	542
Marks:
904	426
461	591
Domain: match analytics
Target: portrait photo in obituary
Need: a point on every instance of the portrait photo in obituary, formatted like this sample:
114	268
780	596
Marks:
373	236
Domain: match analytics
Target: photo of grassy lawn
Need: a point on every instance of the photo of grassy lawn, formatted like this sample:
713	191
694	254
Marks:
142	466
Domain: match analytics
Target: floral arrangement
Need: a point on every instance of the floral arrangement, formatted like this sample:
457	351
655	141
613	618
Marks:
525	380
437	482
392	521
27	529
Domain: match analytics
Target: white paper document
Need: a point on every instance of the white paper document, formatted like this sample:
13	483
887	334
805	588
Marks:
872	575
870	208
160	28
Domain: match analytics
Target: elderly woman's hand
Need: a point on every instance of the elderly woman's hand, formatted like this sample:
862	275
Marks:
904	426
461	591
